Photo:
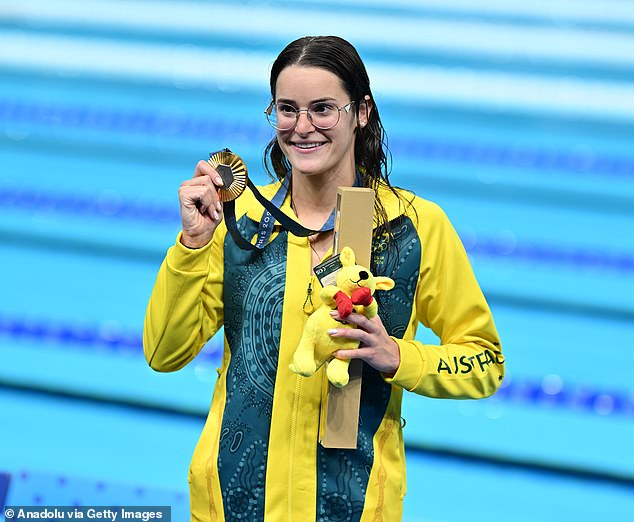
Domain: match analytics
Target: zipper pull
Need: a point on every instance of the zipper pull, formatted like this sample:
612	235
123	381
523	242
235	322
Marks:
308	306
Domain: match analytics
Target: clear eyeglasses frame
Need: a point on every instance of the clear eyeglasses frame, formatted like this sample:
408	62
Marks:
322	115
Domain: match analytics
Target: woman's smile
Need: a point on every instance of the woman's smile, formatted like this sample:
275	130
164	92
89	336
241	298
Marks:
308	146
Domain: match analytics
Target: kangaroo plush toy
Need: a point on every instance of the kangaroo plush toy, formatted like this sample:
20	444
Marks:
353	292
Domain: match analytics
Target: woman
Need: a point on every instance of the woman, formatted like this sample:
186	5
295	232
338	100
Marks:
258	457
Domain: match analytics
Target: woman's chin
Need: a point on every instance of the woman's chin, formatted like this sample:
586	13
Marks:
307	167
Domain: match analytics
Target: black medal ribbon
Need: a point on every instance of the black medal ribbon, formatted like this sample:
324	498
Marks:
233	172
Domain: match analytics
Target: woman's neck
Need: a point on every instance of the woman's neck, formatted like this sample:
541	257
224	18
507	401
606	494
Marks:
314	197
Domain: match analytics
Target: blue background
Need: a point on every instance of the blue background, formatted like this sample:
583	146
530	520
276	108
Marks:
516	118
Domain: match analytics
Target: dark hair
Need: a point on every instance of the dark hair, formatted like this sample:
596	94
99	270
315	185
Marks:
339	57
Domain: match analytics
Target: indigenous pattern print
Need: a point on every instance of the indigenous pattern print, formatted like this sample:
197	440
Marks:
343	475
254	291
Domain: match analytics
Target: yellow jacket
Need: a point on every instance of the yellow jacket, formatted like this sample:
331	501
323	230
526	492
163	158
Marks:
258	457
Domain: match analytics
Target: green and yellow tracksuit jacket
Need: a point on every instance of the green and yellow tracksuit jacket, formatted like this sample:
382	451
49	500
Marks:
258	457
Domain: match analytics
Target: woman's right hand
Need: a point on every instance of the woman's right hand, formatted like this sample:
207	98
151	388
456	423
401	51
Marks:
200	206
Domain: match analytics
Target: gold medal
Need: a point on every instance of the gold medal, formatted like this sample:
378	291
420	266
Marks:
233	172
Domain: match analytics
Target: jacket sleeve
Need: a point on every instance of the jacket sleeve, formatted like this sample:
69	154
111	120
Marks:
185	309
469	361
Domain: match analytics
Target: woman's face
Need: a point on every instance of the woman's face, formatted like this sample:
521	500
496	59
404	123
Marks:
312	151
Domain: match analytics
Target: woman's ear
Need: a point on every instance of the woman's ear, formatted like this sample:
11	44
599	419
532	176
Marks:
365	108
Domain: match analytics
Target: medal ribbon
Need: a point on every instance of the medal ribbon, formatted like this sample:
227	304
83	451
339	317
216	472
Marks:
272	213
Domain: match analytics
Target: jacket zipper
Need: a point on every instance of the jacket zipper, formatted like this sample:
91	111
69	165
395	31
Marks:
291	468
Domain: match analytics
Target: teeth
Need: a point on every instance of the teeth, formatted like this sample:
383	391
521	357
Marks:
307	145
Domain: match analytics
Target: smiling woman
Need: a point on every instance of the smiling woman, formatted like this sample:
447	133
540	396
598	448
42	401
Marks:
258	457
322	158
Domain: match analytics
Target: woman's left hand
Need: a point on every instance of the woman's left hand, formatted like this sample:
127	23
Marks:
377	348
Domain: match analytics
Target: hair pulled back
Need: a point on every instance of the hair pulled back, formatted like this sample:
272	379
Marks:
338	56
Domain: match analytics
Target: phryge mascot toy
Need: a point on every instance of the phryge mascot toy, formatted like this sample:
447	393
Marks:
353	292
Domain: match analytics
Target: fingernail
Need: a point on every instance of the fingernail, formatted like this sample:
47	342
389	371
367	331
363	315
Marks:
219	206
218	181
332	331
215	215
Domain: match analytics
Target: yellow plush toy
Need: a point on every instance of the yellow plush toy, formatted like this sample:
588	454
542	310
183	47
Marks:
353	292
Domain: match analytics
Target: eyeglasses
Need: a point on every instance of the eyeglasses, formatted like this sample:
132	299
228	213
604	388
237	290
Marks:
322	115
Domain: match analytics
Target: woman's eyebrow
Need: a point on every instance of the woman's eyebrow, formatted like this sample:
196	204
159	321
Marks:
293	102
